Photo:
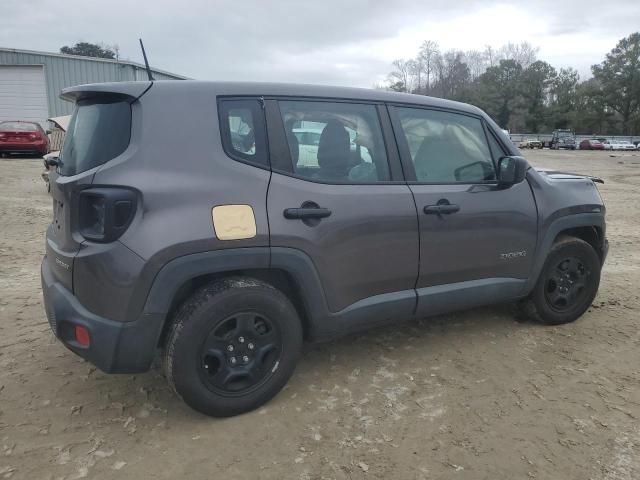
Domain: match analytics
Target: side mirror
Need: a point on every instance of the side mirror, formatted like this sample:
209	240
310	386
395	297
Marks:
511	170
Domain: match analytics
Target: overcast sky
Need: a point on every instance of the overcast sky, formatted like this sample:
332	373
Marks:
340	42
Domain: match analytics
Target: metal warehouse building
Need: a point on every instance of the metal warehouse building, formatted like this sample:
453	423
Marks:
30	82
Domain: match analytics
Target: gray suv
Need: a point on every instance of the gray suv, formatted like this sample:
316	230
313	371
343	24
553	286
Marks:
186	227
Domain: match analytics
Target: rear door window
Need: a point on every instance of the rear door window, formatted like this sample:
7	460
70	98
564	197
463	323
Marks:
100	130
335	142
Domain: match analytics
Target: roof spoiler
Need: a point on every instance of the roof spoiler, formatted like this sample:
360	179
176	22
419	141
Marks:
129	90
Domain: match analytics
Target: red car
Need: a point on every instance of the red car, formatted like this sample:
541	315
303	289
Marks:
591	144
23	137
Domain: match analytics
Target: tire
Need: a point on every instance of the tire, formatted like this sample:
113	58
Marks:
545	304
253	318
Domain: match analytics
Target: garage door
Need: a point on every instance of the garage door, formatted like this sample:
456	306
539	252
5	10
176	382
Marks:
23	94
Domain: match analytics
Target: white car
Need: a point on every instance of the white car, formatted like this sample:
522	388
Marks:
309	140
618	145
624	145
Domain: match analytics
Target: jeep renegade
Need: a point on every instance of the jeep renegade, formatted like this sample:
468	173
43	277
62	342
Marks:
218	225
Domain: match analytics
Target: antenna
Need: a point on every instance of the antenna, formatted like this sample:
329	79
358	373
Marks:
146	62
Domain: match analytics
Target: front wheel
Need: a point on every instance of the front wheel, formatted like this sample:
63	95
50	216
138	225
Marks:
567	284
233	345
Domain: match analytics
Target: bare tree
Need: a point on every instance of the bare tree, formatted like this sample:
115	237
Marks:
522	53
476	61
429	51
400	76
490	55
415	73
451	74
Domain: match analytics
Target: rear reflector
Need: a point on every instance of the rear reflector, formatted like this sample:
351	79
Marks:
82	336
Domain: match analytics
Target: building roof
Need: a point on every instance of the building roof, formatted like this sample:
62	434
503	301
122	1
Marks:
92	59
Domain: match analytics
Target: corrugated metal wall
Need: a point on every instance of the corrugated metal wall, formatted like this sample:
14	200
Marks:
67	71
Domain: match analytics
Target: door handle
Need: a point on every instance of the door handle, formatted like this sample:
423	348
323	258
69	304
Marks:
303	213
441	209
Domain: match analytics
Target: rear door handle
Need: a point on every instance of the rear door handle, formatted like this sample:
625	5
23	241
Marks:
441	209
306	213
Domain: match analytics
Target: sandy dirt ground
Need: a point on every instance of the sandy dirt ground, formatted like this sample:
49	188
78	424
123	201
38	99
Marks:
475	395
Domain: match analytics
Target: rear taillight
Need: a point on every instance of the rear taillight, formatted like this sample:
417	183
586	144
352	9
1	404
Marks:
2	135
105	213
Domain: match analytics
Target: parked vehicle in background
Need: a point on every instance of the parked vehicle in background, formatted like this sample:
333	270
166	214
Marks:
591	144
530	143
60	125
308	138
618	145
624	145
24	138
606	143
225	261
563	139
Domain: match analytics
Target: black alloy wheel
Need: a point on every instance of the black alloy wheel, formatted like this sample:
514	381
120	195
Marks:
565	285
240	353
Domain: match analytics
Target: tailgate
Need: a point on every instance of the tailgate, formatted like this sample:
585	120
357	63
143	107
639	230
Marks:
62	244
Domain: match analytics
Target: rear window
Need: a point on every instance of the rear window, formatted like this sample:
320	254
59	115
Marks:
18	127
99	131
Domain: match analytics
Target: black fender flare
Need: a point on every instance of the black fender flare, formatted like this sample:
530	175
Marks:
293	262
557	226
320	322
184	268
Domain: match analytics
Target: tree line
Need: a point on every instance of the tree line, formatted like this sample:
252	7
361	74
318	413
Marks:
96	50
525	94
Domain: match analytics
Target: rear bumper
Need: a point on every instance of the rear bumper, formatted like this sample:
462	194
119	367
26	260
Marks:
24	148
116	347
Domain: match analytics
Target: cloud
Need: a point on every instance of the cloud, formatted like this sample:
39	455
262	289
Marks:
344	42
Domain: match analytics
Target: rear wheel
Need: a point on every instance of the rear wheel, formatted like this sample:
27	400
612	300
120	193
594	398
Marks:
232	347
567	284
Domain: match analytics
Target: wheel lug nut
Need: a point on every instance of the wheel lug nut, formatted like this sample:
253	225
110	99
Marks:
245	359
241	339
250	346
230	348
233	360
